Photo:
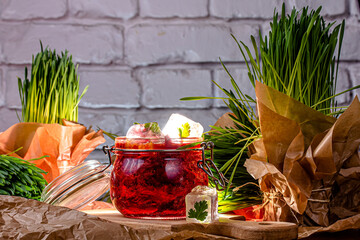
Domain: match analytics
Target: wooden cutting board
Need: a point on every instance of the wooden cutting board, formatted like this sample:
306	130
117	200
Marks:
227	226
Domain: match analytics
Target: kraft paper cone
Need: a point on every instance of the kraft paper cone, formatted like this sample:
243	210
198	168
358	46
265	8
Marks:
340	149
306	160
310	121
225	121
69	143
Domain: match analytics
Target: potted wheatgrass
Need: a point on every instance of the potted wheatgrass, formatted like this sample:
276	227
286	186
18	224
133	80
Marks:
296	58
52	93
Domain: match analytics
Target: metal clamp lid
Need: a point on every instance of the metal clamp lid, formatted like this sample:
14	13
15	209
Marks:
206	164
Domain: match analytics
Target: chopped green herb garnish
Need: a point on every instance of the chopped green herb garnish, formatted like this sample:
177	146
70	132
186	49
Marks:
153	126
184	130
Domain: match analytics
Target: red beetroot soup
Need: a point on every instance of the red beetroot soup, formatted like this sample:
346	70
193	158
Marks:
153	184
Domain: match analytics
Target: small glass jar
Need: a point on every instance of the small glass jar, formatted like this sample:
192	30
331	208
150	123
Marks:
151	177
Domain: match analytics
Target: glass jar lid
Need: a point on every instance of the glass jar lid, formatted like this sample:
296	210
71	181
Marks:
78	186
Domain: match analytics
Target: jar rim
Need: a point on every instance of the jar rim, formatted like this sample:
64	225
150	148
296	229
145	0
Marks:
124	144
116	150
155	138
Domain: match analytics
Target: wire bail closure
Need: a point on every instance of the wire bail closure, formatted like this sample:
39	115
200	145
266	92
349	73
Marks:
107	150
206	164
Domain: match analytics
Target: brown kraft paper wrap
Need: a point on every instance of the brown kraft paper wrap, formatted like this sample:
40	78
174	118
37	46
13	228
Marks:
307	163
65	145
26	219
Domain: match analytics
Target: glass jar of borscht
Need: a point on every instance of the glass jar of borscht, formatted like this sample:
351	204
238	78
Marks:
151	176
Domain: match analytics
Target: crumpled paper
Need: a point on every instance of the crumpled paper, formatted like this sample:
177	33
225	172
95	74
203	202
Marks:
66	145
24	219
306	161
340	225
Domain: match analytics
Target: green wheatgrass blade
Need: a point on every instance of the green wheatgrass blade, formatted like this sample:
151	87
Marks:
52	93
298	59
201	98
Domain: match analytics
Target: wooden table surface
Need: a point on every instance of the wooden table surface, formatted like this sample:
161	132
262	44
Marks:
227	226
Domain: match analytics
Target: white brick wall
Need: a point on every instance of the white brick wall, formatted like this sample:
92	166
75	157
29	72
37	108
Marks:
351	49
329	7
355	78
109	88
12	98
97	44
140	56
237	9
174	43
96	9
173	8
164	88
2	89
33	9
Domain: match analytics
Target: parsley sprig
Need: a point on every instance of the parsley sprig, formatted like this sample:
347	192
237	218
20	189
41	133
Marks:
200	212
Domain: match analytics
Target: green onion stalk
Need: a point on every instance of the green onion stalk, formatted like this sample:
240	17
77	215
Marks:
21	178
297	58
52	93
